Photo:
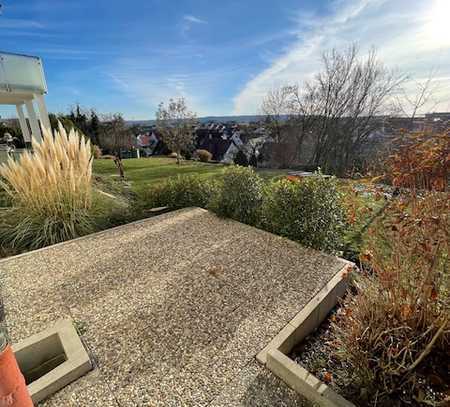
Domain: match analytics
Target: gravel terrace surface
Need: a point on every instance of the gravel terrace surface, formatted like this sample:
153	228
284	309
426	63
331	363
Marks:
172	309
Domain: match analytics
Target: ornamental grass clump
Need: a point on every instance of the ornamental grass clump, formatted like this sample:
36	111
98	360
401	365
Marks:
204	155
50	191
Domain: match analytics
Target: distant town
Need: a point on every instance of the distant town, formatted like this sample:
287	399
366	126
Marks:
249	139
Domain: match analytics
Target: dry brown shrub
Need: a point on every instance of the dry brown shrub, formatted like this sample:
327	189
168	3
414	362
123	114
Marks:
395	330
399	320
421	161
204	155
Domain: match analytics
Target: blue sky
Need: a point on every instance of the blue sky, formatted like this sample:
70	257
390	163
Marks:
223	56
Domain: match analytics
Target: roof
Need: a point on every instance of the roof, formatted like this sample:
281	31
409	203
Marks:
173	309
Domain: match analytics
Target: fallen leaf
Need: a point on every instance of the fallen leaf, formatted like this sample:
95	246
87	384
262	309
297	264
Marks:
327	377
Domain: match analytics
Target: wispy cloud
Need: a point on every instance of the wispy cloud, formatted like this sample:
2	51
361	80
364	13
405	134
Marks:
29	33
151	84
397	30
18	23
150	92
193	19
188	21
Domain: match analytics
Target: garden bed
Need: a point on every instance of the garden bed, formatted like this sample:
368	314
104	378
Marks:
305	356
276	355
317	354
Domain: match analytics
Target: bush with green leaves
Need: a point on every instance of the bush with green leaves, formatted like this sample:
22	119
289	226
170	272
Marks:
239	196
308	211
179	192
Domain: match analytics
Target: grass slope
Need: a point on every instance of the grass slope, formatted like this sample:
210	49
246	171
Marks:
144	172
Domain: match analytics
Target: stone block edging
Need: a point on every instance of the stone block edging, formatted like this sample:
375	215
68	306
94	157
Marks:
275	354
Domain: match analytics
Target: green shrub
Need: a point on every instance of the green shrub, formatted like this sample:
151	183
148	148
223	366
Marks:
179	192
239	195
308	211
204	155
113	210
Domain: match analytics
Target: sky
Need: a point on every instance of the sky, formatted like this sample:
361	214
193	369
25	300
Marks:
222	56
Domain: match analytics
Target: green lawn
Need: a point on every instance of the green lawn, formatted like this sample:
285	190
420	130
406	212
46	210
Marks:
270	173
143	172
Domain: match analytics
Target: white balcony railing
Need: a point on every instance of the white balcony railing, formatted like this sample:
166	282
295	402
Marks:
21	74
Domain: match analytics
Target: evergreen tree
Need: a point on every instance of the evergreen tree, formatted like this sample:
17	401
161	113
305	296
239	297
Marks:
94	128
241	159
253	162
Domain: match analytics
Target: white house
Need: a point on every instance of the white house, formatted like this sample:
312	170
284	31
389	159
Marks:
235	145
22	83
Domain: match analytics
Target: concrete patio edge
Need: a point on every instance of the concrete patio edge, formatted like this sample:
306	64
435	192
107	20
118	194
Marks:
275	354
88	236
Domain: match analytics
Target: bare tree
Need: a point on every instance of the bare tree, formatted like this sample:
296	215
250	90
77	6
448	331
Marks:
289	118
350	93
339	107
276	107
175	122
410	103
115	136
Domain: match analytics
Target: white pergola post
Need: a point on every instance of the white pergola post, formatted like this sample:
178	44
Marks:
43	113
34	123
23	123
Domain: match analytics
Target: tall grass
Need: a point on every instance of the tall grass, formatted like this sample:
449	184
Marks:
50	190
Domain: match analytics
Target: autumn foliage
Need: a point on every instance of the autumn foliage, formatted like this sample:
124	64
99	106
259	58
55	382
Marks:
421	161
401	312
395	330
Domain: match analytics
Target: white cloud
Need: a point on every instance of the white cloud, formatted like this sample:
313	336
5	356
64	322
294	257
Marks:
192	19
398	29
151	88
188	21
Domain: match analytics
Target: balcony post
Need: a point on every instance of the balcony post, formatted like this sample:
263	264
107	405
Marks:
23	123
43	113
34	123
